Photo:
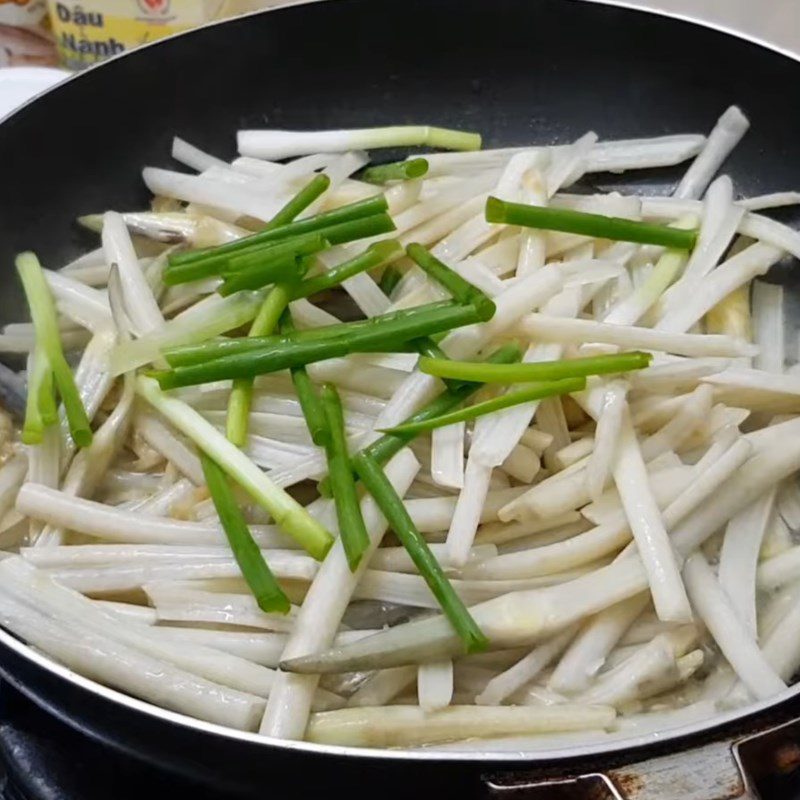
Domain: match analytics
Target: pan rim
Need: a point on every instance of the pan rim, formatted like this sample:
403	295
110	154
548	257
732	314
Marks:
617	746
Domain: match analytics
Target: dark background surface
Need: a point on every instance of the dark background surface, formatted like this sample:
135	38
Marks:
520	71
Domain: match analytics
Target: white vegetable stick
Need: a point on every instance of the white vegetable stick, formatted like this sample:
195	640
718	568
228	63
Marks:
447	455
630	309
122	578
324	605
382	687
770	232
609	425
174	603
12	476
140	304
217	317
722	621
653	668
575	451
756	387
738	559
435	513
279	144
111	524
522	464
532	243
526	669
570	163
412	590
609	156
86	306
588	651
125	668
580	331
163	440
676	375
503	532
735	272
730	128
435	685
779	570
194	157
467	514
630	477
394	726
230	200
17	343
773	200
789	503
777	538
768	326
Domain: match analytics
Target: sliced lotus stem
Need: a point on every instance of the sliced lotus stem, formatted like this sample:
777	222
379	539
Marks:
653	668
722	621
435	685
738	558
730	128
580	331
641	509
62	510
588	651
609	425
176	603
397	726
526	669
140	304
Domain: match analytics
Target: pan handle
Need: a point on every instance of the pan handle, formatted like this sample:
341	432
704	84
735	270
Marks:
725	769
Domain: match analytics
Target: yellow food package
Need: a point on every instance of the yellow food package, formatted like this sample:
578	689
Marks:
89	31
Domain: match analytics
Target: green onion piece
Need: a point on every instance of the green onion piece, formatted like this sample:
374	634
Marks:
393	508
43	313
461	290
287	354
300	202
241	397
289	268
389	280
352	530
258	257
40	378
185	355
288	514
383	449
357	210
257	574
596	225
48	407
535	371
376	255
307	395
396	171
536	391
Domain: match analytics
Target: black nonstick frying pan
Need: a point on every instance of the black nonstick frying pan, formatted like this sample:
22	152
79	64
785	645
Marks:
520	71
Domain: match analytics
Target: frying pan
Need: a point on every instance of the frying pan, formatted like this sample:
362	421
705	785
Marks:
520	72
